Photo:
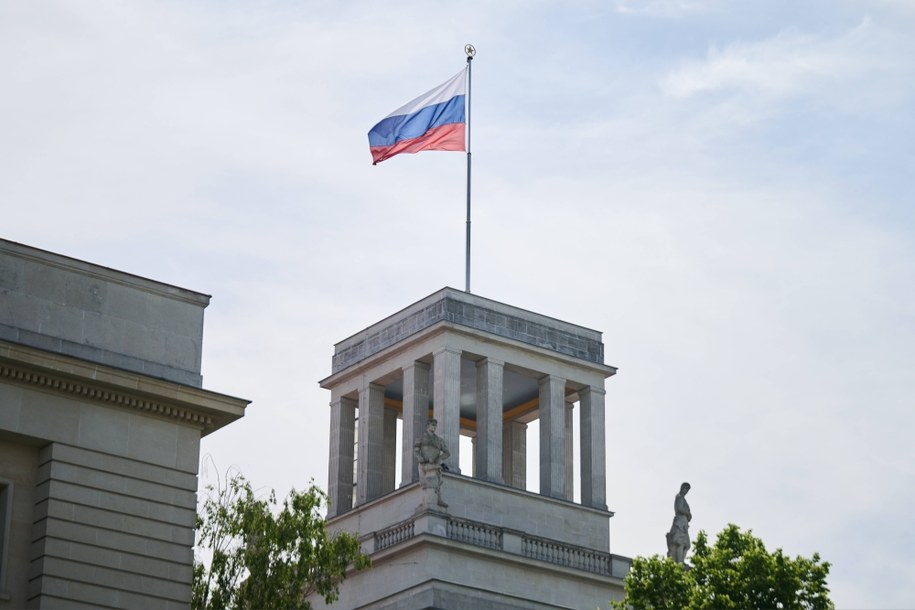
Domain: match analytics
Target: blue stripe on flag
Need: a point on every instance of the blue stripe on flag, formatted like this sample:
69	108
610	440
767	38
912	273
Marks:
404	127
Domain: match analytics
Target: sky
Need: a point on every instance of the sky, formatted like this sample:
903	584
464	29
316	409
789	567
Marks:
722	187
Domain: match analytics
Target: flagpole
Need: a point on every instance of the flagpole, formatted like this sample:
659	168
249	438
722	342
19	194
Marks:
470	51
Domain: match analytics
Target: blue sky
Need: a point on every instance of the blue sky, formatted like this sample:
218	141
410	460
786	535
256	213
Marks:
722	187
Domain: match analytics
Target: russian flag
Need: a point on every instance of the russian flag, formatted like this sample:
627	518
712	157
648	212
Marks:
433	121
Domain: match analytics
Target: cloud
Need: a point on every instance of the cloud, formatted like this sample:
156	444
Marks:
661	8
750	79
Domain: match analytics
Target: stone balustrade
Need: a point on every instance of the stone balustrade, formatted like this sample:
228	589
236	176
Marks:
487	536
566	555
478	534
395	534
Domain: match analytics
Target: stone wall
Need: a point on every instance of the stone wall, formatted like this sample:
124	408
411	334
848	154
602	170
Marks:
112	504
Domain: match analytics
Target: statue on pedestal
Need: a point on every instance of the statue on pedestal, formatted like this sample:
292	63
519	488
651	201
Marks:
678	537
431	453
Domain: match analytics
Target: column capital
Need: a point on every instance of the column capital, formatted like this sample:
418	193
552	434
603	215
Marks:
492	361
373	386
551	378
593	389
342	400
416	364
446	349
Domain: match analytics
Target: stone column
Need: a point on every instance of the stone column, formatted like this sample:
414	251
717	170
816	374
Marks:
340	467
415	414
488	445
593	448
570	450
446	401
514	454
552	436
389	467
371	443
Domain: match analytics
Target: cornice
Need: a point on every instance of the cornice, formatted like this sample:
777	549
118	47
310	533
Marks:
443	327
80	379
483	317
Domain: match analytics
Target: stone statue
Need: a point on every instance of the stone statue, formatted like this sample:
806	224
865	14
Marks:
678	537
431	453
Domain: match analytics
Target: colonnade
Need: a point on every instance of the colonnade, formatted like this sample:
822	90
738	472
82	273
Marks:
433	383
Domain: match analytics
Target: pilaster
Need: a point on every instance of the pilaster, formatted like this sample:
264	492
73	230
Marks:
340	469
514	454
415	414
593	448
446	404
552	436
570	450
389	451
371	443
488	445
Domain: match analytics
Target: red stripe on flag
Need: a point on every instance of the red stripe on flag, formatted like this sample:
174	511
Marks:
446	137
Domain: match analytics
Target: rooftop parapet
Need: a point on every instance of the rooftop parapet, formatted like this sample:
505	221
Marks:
463	309
71	307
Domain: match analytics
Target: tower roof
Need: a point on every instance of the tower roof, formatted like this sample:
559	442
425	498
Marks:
459	308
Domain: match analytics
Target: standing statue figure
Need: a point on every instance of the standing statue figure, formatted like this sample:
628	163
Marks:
678	537
431	453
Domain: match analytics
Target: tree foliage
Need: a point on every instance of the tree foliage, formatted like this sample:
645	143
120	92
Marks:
261	555
737	572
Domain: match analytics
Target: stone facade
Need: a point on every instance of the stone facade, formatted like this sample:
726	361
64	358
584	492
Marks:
484	370
101	416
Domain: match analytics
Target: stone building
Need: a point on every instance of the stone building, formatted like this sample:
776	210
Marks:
101	414
484	370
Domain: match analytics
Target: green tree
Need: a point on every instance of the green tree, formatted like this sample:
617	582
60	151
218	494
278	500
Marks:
737	572
252	553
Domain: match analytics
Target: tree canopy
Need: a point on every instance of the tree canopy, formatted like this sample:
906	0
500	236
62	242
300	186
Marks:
737	572
252	553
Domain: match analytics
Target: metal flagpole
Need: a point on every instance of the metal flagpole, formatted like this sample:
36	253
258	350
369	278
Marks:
470	51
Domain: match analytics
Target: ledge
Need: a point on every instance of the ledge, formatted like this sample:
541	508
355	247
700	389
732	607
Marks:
479	314
87	380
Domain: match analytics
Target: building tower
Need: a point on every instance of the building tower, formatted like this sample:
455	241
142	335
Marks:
484	370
